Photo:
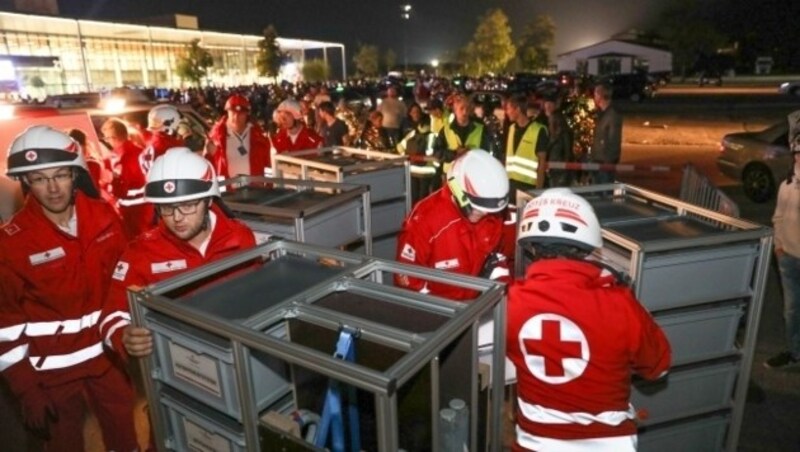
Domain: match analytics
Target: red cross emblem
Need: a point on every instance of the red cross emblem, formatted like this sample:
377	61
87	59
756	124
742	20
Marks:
555	348
31	156
169	186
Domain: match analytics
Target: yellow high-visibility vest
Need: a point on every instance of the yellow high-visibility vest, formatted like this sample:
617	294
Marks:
522	163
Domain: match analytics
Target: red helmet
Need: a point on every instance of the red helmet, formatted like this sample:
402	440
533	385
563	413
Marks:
237	102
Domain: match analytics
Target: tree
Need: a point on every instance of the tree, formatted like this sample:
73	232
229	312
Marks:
533	52
366	60
315	70
689	33
390	59
491	47
193	64
270	56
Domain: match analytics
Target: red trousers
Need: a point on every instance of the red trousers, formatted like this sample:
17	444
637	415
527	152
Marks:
109	396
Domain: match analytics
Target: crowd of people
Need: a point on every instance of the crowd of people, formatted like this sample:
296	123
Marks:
82	238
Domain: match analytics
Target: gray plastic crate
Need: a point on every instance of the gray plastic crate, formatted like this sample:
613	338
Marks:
200	365
697	435
194	427
623	209
387	218
685	392
704	274
382	247
699	334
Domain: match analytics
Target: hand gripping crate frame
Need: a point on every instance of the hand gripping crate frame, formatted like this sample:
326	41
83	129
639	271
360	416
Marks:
426	335
322	213
721	264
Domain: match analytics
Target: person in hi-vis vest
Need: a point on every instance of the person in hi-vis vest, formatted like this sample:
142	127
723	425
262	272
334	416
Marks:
526	147
460	134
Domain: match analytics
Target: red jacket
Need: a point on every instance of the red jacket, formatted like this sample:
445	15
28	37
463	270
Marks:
133	166
306	139
157	255
52	288
260	149
437	235
610	336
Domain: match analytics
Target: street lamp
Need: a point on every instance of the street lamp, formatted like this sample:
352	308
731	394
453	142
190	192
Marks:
405	14
434	65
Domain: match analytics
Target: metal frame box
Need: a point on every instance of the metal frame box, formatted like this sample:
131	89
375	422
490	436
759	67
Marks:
697	435
387	175
322	213
698	272
415	351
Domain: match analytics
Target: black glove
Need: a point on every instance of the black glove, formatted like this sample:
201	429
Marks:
495	266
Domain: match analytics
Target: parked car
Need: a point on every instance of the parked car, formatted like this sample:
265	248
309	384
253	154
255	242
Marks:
635	86
791	88
760	160
709	77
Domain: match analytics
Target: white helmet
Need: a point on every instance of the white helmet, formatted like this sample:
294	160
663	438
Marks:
163	118
43	147
479	181
292	107
180	175
560	216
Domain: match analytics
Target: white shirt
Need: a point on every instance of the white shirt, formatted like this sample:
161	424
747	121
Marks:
787	217
238	163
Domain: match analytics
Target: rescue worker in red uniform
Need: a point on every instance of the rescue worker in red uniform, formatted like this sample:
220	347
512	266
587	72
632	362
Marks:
575	334
56	258
239	146
293	134
459	227
131	177
193	230
162	122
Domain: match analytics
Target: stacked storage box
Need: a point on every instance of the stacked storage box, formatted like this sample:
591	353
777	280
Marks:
387	176
322	213
256	346
698	272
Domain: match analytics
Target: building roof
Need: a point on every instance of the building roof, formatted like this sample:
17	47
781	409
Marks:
29	23
625	41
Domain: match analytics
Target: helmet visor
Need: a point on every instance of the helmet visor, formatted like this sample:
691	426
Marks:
175	188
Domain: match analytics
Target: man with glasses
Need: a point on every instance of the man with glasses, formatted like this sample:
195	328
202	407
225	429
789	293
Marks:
194	229
57	255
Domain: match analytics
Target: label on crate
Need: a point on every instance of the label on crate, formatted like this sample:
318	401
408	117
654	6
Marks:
201	440
195	369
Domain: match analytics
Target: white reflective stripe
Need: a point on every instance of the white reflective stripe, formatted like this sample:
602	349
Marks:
514	160
542	415
626	443
121	324
114	315
61	361
11	333
422	169
71	326
13	356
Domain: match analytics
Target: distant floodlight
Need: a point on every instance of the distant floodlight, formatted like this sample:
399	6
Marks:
407	8
435	63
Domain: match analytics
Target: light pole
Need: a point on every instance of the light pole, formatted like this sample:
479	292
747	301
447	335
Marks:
435	65
405	14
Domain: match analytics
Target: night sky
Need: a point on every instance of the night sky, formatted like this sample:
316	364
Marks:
435	26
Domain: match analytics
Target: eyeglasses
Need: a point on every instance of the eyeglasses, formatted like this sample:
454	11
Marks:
185	208
41	181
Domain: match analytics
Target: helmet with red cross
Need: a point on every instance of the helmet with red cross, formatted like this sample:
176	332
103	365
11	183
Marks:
559	216
180	175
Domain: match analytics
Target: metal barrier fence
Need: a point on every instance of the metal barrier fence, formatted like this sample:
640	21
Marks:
697	189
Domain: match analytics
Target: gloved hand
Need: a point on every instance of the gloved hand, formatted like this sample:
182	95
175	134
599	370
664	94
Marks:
495	267
38	411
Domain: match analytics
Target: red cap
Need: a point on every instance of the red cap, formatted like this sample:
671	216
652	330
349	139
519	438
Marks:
237	102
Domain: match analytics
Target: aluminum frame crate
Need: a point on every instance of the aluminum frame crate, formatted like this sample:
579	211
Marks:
409	344
322	213
386	174
683	259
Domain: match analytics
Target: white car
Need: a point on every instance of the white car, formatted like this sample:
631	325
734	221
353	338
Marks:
791	88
